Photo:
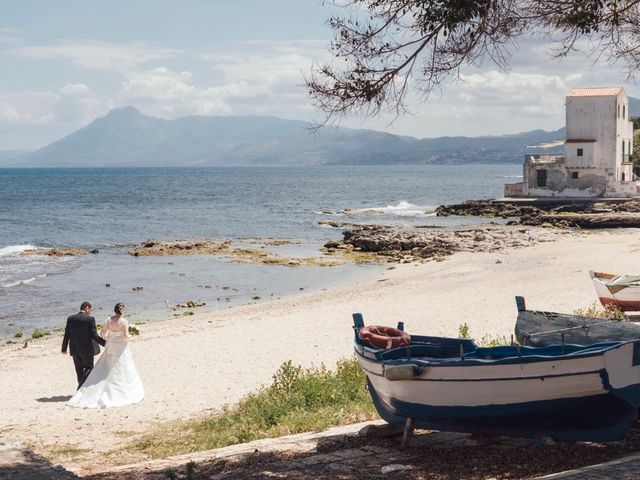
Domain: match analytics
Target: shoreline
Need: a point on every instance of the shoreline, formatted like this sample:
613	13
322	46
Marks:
154	286
195	365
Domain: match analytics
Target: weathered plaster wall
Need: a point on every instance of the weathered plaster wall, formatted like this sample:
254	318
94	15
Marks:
559	182
594	118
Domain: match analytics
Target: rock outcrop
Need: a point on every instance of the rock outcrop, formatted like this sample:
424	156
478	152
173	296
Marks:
398	244
56	252
617	214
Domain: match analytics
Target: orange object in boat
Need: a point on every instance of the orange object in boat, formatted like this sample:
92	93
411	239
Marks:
384	337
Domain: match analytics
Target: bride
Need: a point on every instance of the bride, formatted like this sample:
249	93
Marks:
114	381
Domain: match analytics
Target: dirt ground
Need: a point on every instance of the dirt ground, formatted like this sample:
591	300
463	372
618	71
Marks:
429	456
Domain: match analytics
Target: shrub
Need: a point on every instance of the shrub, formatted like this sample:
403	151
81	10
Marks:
463	331
596	311
297	400
133	330
491	341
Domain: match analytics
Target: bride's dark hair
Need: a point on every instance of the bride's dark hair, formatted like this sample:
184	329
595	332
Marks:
119	308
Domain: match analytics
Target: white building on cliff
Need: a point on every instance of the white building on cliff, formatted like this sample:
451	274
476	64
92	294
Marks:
596	160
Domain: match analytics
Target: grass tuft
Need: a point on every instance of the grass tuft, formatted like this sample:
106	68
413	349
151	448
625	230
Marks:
37	333
487	340
596	311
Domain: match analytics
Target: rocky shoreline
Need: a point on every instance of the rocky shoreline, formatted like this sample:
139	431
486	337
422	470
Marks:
373	242
226	248
405	245
569	214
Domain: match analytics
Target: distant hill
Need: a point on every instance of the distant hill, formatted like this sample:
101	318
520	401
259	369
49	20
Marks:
10	155
127	137
634	107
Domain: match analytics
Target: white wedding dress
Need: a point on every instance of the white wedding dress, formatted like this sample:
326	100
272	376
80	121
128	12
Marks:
114	381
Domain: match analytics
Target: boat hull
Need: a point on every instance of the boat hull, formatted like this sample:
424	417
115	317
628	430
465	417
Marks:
625	298
588	394
540	329
562	419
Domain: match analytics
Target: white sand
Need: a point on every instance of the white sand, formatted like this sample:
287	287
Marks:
197	364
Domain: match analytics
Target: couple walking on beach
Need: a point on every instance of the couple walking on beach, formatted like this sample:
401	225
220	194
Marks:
114	381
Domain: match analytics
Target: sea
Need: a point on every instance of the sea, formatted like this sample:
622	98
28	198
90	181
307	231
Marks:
112	209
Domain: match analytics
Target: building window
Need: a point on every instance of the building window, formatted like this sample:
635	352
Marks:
580	152
542	178
618	110
624	110
623	176
623	148
574	175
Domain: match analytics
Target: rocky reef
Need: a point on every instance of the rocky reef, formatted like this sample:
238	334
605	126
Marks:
58	252
179	247
404	244
227	248
585	220
486	208
571	214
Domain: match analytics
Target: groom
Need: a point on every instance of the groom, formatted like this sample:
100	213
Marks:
83	338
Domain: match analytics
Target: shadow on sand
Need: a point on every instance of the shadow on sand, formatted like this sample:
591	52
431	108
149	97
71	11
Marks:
56	398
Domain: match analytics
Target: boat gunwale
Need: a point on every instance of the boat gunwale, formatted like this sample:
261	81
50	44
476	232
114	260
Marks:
595	350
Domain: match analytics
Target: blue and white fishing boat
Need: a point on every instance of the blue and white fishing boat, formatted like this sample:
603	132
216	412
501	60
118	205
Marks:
567	392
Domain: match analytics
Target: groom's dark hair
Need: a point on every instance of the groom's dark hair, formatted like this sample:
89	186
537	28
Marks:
85	305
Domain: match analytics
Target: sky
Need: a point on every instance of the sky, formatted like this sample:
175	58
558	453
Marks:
65	63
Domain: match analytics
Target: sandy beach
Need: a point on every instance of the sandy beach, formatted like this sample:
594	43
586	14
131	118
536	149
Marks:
193	365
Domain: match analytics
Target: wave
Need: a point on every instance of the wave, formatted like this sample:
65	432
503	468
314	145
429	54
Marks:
508	176
22	282
402	209
15	249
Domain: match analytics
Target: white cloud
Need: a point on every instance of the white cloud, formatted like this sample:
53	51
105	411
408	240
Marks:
75	89
10	36
78	105
162	92
112	57
27	107
259	78
73	105
267	78
516	93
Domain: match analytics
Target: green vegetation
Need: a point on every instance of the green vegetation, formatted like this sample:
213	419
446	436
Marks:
635	156
66	451
486	340
463	331
491	341
37	333
190	468
298	400
596	311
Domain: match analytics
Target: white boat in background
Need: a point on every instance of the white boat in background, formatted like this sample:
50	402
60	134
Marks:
620	291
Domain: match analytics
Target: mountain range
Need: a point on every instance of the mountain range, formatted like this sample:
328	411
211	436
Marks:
127	137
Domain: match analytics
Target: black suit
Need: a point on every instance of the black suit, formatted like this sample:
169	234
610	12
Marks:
83	339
